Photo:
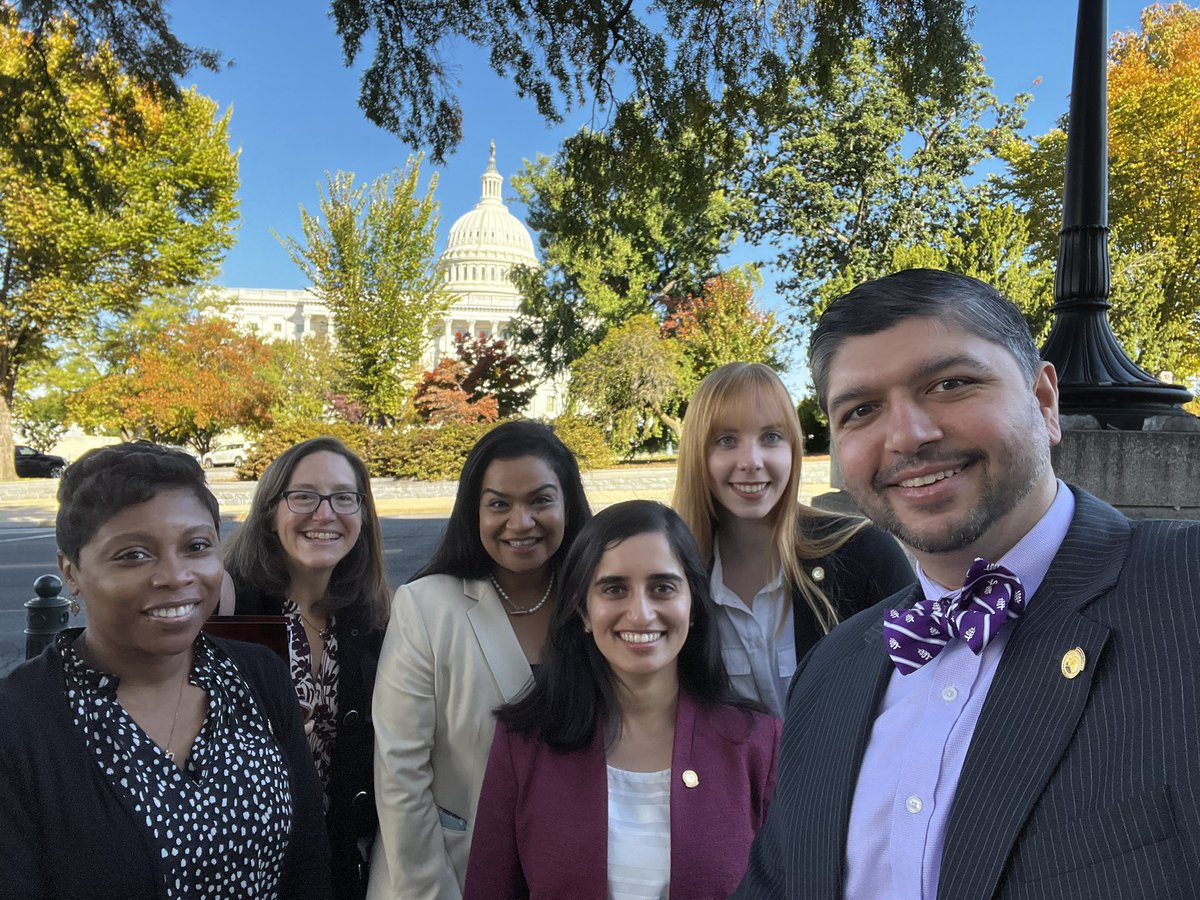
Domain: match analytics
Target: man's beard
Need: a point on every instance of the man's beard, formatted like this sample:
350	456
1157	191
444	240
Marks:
999	495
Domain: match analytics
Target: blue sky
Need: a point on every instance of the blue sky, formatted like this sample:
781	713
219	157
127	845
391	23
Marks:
296	115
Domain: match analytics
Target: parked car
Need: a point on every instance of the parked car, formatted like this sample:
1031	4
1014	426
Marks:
226	455
35	464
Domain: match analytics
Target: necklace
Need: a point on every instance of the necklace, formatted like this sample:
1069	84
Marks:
515	610
323	633
175	718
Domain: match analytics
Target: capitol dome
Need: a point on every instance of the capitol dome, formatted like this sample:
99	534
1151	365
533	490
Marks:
486	243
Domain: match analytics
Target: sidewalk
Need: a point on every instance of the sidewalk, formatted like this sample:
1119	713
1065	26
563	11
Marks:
32	503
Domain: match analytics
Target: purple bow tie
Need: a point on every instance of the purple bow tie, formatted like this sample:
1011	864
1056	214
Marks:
990	596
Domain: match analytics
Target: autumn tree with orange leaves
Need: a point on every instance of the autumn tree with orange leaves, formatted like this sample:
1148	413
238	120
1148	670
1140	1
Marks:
201	378
724	324
1154	189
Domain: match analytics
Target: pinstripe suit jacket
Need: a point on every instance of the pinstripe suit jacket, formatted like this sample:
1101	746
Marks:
1098	794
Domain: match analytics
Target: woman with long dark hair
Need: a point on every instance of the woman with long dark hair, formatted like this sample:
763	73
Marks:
632	717
463	638
311	549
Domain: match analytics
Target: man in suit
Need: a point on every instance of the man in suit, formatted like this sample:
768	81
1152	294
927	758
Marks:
1036	735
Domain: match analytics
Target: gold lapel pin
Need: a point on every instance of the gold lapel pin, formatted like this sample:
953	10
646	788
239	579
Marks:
1073	662
690	778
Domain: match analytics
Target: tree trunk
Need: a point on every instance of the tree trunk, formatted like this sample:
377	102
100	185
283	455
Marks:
8	465
671	422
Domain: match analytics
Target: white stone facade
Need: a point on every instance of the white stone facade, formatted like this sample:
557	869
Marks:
483	246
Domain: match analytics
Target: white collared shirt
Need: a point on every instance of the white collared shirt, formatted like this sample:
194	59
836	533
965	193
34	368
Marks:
758	642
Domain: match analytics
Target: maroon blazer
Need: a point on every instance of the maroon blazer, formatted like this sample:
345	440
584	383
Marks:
541	829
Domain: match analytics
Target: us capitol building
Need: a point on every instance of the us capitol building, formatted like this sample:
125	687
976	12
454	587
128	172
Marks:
483	246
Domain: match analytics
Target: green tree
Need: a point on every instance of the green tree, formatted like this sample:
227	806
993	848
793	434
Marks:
842	180
369	255
623	216
724	324
682	58
200	379
632	381
65	260
1154	184
135	35
311	379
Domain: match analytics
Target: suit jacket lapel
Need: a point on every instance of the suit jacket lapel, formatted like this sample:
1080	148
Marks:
1032	708
496	638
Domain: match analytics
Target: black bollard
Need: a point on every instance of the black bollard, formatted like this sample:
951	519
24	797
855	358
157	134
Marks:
47	614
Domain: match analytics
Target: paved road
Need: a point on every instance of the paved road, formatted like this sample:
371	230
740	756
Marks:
26	553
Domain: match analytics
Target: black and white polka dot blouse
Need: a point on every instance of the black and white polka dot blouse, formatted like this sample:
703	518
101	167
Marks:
222	823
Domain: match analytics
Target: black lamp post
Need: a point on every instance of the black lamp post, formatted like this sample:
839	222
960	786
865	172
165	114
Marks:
1095	376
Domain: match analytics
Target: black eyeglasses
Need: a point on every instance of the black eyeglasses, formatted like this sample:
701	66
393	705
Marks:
343	503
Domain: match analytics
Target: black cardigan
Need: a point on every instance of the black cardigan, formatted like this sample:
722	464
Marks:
860	573
65	833
351	815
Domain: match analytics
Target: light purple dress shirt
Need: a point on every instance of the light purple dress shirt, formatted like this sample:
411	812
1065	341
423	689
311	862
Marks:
919	741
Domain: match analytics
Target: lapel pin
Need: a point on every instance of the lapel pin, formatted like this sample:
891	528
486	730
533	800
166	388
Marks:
690	778
1073	662
818	573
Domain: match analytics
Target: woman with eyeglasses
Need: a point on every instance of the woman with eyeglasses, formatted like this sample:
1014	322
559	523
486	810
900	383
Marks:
311	550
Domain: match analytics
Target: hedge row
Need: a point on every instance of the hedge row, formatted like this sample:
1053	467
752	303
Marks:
426	453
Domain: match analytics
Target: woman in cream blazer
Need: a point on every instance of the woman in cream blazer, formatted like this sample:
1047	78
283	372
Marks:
459	643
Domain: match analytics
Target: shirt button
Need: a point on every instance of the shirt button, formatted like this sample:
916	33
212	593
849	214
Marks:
950	694
913	804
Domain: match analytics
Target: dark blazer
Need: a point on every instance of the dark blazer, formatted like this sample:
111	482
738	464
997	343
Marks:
860	573
351	816
1098	789
66	834
541	829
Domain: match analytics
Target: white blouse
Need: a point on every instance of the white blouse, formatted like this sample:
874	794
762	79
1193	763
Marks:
639	834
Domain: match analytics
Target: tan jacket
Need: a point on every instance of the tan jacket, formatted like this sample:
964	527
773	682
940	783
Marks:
449	657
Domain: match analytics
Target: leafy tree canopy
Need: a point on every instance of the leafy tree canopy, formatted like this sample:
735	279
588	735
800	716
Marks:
490	370
724	324
440	396
169	187
134	34
369	254
683	58
622	216
843	179
632	382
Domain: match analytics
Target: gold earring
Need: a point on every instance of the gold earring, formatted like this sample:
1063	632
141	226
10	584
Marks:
75	604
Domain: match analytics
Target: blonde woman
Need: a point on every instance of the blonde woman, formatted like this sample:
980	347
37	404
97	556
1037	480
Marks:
782	574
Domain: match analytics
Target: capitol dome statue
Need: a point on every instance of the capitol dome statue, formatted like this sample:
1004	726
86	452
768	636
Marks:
483	247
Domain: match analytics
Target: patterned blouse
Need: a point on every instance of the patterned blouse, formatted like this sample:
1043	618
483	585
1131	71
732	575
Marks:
318	693
221	823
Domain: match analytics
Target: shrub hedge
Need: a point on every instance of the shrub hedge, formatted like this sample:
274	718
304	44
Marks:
424	453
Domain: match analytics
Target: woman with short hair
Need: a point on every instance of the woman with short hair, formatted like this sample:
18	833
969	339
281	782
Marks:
138	757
